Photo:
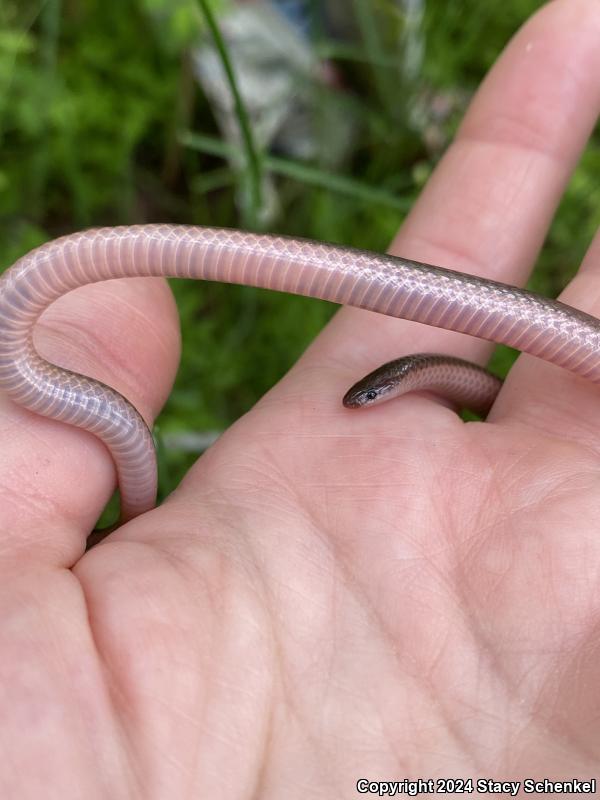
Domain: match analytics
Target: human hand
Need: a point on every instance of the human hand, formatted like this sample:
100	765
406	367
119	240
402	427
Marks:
330	594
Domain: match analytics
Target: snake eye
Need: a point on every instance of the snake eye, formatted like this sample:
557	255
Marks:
371	395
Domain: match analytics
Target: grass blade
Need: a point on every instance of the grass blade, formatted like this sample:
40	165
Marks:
252	156
303	173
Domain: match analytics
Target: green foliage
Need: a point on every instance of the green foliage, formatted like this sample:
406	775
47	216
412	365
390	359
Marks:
101	122
72	123
464	37
177	22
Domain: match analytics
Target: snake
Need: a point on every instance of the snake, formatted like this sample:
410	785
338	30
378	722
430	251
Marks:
386	284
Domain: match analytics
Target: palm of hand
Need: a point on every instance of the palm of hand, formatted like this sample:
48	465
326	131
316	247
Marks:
333	595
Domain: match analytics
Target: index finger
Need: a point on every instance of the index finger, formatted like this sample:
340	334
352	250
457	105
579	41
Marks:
490	201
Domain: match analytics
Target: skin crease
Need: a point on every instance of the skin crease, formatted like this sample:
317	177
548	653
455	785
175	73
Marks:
330	594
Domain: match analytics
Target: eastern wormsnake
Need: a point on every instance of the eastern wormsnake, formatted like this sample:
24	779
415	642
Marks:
382	283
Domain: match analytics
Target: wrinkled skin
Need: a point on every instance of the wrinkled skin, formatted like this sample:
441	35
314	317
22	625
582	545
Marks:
330	594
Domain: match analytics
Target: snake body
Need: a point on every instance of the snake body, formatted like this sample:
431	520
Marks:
382	283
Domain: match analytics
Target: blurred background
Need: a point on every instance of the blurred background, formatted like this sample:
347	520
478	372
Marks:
318	118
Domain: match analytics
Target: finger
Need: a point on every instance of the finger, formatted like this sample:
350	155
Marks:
488	206
56	478
549	398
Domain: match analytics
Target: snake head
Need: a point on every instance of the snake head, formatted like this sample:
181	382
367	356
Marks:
373	388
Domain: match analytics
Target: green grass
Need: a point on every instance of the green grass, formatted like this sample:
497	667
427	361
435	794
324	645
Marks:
253	169
101	123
